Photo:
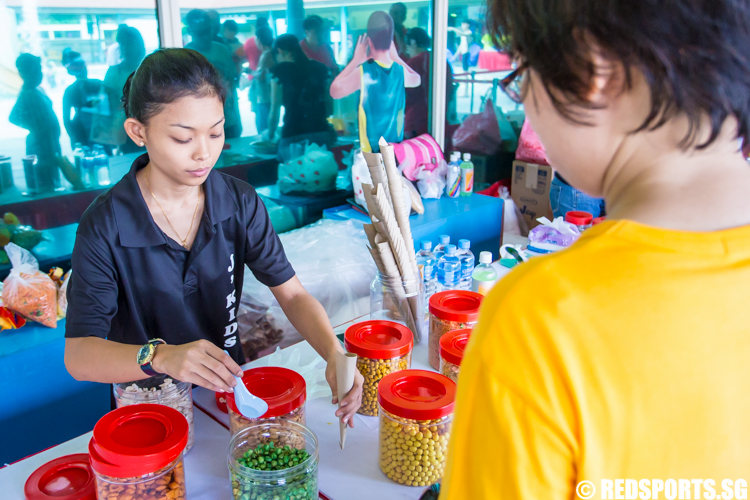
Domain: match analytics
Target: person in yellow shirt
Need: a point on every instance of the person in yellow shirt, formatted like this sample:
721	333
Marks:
624	360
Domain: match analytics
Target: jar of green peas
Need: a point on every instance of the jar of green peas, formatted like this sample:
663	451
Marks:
274	460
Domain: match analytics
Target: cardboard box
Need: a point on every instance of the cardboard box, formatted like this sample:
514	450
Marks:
530	190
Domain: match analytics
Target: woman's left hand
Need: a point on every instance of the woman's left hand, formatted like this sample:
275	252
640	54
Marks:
353	400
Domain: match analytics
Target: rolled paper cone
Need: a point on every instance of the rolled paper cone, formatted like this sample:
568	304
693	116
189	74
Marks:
395	237
377	171
369	199
371	233
346	368
377	259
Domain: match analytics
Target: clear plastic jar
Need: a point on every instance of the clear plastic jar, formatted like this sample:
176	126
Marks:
451	310
296	483
582	220
401	300
416	412
160	390
137	451
284	391
452	347
382	347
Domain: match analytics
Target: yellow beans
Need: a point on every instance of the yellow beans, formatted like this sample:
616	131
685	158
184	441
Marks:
412	452
166	484
373	370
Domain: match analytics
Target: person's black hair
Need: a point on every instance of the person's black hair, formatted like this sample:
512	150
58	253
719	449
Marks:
260	22
132	47
312	23
693	54
398	4
167	75
231	25
198	22
420	37
28	66
380	30
290	43
265	35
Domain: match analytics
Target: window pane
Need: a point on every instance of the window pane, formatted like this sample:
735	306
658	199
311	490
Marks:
61	76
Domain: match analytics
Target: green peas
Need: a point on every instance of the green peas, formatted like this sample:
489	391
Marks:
268	457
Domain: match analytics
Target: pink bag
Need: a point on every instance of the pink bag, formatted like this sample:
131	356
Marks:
530	148
421	150
479	134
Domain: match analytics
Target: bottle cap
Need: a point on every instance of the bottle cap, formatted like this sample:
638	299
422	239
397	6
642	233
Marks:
426	245
485	258
464	244
467	156
444	239
450	249
455	156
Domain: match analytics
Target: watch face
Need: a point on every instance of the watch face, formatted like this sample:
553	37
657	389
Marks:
145	353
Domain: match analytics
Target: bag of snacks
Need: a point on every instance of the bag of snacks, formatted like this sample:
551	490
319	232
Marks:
28	291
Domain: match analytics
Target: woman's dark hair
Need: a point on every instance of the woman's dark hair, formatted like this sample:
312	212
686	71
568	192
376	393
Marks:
420	37
290	43
312	23
265	35
168	75
693	53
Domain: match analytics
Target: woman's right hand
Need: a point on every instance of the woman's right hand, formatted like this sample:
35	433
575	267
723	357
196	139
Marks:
199	362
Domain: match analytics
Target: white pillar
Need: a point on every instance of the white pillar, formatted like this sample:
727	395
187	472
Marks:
439	58
170	23
295	14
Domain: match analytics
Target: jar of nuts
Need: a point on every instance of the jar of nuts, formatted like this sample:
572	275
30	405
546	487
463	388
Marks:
283	389
274	460
416	411
450	310
382	347
452	347
159	390
137	453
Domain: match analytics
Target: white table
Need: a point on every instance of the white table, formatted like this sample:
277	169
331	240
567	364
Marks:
354	471
206	470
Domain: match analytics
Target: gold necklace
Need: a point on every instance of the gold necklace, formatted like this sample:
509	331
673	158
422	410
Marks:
183	240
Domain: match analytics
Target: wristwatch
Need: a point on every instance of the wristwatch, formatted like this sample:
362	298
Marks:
146	356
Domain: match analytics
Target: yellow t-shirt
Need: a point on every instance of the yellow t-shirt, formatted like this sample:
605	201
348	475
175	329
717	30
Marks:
626	356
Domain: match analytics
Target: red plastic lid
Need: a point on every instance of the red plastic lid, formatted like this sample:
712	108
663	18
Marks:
221	401
65	478
453	345
456	305
598	220
283	389
417	394
579	218
136	440
378	339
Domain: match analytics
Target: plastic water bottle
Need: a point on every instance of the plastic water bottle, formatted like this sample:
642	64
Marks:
78	159
440	248
427	267
449	269
102	166
467	176
484	276
467	263
88	168
453	186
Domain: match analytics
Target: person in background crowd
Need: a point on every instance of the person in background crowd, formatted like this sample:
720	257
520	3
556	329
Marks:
300	85
416	115
260	87
33	112
382	76
215	21
626	355
315	45
83	93
398	14
229	31
200	28
113	51
252	52
132	50
465	36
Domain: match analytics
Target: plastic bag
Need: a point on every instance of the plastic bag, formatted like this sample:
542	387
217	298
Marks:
62	297
553	235
411	153
314	171
530	148
479	134
360	175
332	262
28	291
431	182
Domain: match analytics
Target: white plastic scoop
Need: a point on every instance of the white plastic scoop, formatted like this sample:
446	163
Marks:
249	405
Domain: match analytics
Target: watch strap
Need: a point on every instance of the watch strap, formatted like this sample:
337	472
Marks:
146	367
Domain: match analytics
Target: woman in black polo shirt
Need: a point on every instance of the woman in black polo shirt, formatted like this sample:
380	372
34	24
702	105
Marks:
159	259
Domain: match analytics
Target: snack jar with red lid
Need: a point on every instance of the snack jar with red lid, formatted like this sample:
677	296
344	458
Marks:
283	389
416	412
582	220
451	310
452	347
382	347
64	478
137	452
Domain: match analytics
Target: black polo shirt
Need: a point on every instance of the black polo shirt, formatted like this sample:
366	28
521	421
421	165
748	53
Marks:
131	282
